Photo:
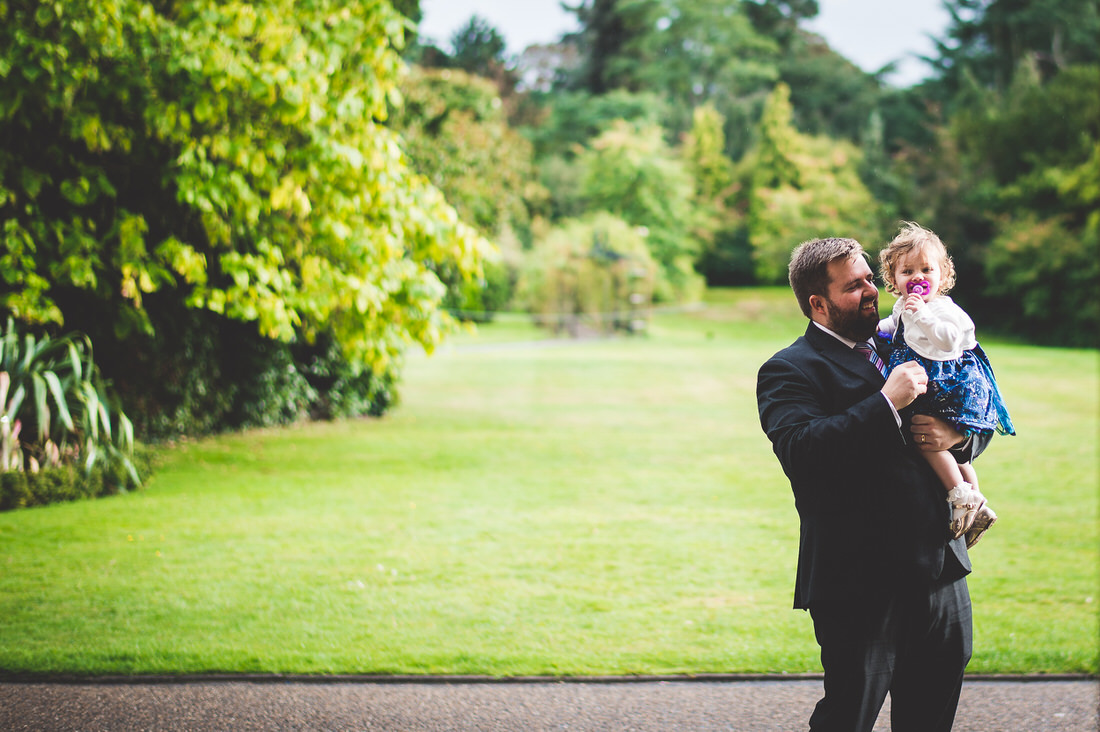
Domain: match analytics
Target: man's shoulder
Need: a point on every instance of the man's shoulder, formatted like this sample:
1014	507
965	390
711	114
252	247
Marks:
797	358
802	347
791	352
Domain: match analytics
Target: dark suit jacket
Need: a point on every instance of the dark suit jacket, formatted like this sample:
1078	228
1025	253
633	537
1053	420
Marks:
872	510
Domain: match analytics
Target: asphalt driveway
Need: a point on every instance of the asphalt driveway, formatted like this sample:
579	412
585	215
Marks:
281	703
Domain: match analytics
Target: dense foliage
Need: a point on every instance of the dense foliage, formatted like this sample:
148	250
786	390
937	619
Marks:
226	157
590	276
995	150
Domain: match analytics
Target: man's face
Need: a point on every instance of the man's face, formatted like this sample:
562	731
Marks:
850	308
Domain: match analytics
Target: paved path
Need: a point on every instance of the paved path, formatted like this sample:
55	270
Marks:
688	705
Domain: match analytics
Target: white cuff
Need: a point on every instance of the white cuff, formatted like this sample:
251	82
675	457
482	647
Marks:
897	417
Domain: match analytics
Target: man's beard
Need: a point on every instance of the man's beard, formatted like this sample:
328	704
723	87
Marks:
856	326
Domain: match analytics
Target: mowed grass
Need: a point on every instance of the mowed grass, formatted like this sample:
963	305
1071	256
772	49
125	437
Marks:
534	507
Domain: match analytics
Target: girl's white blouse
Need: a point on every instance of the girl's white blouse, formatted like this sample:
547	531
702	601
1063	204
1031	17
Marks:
941	330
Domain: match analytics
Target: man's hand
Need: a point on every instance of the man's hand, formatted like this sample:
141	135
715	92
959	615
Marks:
906	382
932	434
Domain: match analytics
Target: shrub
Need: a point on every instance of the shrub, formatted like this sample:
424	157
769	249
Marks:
22	489
202	374
1042	279
57	420
597	270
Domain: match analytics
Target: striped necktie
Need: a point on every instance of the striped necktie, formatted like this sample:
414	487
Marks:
868	353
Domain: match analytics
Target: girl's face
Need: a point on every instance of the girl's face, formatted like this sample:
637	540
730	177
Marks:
919	266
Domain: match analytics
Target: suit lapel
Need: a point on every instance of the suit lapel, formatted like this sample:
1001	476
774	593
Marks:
840	354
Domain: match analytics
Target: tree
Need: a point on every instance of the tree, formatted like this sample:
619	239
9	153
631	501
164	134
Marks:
988	39
1030	156
1044	275
726	257
230	157
411	11
478	48
456	135
830	95
802	188
632	173
606	27
780	19
573	119
688	53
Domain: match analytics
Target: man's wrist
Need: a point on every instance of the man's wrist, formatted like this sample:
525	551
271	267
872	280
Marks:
897	417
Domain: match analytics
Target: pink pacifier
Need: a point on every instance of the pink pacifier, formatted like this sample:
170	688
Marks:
918	287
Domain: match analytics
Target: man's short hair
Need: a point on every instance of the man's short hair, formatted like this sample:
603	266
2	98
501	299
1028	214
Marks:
809	268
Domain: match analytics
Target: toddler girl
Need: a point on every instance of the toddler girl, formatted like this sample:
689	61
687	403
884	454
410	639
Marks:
928	327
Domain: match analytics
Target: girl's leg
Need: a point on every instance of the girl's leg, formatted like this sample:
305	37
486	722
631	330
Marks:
969	474
985	516
966	501
949	472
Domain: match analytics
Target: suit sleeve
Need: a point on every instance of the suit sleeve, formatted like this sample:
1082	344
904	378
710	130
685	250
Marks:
808	427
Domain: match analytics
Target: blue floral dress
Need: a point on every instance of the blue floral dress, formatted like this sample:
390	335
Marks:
962	389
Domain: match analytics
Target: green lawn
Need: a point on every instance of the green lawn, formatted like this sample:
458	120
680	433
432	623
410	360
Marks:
564	507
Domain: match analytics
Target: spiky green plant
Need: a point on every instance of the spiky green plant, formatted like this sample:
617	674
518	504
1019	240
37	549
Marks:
55	407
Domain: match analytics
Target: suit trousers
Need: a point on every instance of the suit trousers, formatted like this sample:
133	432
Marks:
912	640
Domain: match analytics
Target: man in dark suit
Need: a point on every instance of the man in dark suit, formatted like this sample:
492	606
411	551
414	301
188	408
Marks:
884	585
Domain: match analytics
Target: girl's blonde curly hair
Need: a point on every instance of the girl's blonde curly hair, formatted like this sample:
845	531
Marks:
914	238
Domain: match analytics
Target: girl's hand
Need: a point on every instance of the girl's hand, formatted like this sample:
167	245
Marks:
913	303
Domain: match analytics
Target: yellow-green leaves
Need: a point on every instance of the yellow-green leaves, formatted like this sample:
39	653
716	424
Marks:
228	153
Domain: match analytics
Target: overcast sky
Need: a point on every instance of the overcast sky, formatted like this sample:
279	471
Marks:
870	33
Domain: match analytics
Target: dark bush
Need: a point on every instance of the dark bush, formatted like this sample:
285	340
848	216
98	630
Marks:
202	374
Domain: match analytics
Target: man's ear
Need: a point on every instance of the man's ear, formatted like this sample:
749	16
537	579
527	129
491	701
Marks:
817	305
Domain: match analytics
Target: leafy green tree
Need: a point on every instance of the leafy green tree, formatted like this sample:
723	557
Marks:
988	39
478	48
702	50
1044	276
687	52
456	135
780	19
830	95
1030	159
802	187
705	153
632	173
726	258
229	156
572	119
606	26
1031	126
410	9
